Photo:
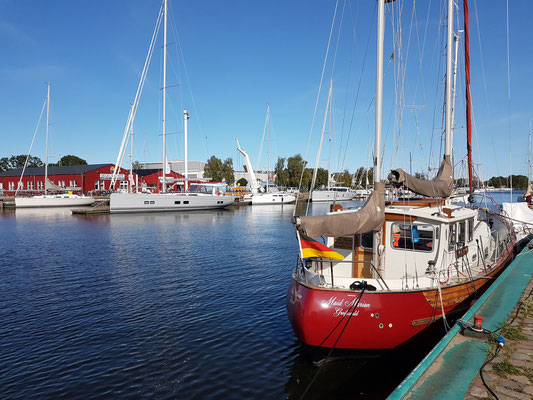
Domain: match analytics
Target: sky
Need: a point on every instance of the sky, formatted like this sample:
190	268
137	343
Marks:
228	60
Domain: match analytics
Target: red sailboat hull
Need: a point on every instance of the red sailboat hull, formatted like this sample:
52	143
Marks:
381	320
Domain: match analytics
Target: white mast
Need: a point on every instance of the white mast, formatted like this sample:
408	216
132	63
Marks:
456	40
47	130
328	103
185	148
267	124
165	102
379	106
529	160
131	154
448	141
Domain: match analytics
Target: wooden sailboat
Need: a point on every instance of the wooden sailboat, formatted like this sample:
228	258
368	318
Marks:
196	197
54	195
387	272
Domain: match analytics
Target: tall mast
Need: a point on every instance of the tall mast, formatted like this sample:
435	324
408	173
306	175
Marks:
268	147
379	90
454	87
328	103
165	101
131	154
448	142
379	107
185	148
47	131
468	99
529	159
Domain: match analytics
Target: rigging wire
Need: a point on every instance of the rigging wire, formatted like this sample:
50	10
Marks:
316	102
350	311
31	145
509	106
198	119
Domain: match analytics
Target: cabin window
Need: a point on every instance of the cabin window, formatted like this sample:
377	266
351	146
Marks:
416	237
451	242
146	202
471	229
185	201
461	237
343	242
152	202
367	240
177	202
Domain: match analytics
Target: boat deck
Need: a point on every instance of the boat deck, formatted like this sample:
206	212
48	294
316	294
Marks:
449	369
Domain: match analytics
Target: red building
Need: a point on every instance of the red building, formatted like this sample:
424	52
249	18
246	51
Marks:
151	179
86	179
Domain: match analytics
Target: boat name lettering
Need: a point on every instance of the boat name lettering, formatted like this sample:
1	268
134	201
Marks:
333	301
340	312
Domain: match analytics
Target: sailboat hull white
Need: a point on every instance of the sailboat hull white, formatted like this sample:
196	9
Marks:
59	200
148	202
273	198
332	195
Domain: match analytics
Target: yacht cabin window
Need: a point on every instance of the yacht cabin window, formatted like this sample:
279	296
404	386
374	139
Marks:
451	242
471	229
461	234
367	240
416	237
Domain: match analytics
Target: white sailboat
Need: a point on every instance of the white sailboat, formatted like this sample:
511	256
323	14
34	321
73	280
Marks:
197	196
258	196
50	200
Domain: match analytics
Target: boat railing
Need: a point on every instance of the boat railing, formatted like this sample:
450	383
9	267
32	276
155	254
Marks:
321	264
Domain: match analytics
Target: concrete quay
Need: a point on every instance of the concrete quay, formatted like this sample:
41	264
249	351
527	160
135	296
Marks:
510	374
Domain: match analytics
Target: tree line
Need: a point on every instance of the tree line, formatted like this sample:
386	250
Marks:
288	172
18	161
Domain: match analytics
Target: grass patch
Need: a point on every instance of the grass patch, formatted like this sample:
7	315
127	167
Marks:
527	307
511	332
504	368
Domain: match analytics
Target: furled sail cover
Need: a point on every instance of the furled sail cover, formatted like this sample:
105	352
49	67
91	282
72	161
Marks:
371	216
440	186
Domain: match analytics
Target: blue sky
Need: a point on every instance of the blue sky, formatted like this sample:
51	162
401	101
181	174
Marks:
241	56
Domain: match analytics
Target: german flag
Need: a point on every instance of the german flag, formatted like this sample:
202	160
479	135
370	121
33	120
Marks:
311	248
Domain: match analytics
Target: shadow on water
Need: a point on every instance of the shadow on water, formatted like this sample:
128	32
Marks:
353	374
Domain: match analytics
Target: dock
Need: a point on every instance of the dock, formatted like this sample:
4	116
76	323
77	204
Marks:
451	369
101	206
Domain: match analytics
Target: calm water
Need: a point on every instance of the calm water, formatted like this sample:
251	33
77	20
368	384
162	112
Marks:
170	305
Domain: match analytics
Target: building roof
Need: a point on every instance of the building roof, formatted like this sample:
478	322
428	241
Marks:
64	170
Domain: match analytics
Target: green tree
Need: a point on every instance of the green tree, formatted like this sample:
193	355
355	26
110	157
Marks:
136	165
219	171
242	182
344	178
228	173
282	175
295	166
14	162
70	160
321	177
